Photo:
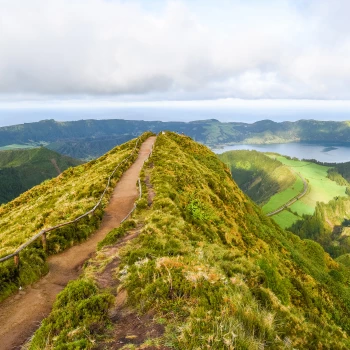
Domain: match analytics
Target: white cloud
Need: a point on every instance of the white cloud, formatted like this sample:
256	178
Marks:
183	50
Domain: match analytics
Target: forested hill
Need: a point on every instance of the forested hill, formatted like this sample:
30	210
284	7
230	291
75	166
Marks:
20	170
92	138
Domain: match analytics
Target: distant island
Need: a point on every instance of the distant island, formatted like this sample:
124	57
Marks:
328	149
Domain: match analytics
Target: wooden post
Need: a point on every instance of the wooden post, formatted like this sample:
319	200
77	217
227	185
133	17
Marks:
44	241
16	258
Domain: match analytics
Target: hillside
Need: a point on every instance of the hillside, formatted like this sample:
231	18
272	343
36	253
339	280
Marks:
86	139
258	175
207	270
321	188
54	201
272	180
329	226
22	169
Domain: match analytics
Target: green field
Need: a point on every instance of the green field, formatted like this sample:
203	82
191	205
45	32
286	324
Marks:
321	189
285	218
283	197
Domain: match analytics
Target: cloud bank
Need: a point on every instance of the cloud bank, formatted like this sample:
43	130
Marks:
175	50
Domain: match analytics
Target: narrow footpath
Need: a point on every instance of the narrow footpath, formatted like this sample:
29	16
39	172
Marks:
21	314
293	200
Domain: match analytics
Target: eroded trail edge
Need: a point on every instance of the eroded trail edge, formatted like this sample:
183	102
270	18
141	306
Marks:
21	314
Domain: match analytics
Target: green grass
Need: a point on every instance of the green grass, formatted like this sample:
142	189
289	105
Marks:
55	201
216	269
277	200
285	219
78	316
21	169
322	189
301	208
219	273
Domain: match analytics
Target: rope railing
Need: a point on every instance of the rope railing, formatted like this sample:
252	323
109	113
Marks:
140	189
43	233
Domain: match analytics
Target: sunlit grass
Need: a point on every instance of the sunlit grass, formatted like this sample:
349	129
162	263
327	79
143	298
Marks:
277	200
56	201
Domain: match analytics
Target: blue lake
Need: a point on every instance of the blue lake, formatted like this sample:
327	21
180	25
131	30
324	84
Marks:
330	153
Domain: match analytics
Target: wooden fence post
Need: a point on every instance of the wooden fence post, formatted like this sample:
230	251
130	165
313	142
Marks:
44	241
16	258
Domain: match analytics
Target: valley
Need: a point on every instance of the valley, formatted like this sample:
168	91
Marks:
21	169
320	189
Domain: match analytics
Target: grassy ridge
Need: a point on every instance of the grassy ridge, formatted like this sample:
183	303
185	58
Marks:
221	273
61	199
20	170
218	272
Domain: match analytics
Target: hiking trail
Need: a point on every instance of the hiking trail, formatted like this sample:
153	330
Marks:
21	314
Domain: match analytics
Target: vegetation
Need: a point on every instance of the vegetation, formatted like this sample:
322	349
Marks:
339	171
79	314
329	226
217	272
221	273
322	189
61	199
86	139
283	197
258	175
20	170
270	180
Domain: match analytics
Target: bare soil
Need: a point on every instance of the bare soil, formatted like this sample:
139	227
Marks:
21	314
54	163
129	327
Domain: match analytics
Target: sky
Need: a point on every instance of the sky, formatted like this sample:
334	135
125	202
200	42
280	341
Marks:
287	54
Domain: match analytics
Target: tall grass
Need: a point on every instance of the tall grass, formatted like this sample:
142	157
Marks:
61	199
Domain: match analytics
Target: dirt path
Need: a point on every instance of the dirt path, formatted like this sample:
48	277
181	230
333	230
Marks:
54	163
21	314
293	200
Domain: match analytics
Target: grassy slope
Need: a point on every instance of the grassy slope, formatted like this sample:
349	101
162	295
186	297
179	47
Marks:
218	272
277	200
23	169
258	175
55	201
321	189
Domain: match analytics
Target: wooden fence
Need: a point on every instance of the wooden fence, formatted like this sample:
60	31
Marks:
44	233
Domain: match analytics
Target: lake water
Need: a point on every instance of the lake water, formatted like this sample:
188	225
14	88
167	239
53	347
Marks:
330	153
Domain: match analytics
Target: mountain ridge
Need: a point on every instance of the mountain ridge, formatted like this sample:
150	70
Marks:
81	138
211	267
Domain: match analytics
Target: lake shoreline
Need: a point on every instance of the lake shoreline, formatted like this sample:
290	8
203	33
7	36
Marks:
335	152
